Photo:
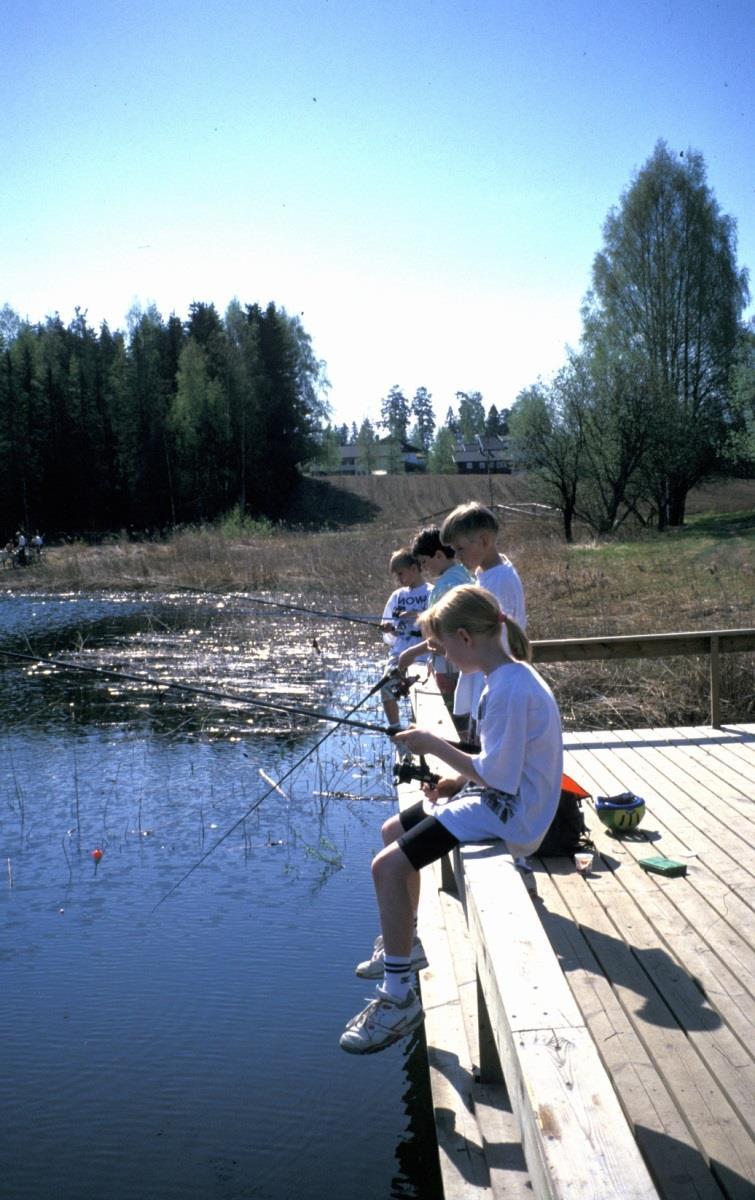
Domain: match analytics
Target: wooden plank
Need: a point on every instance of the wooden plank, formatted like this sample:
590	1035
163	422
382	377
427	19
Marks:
651	645
726	793
668	1146
738	755
675	790
479	1145
677	932
499	1131
503	1145
723	1055
496	1126
463	1165
707	903
710	870
710	1116
574	1133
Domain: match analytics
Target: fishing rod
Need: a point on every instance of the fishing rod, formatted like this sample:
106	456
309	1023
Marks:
313	612
401	684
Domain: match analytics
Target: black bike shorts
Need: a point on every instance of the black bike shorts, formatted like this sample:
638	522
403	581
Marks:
424	839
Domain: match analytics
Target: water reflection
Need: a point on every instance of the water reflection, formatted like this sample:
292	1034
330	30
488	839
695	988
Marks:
171	640
190	1051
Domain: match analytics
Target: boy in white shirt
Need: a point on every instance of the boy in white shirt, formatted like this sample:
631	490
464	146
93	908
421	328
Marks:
471	531
399	622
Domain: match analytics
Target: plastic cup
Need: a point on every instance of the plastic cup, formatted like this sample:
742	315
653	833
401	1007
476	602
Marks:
583	860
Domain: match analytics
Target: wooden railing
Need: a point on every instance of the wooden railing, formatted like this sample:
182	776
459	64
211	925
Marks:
713	642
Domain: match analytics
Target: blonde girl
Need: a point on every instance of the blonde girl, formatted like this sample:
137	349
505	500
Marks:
508	790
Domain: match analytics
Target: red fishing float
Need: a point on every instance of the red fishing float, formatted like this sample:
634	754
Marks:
97	855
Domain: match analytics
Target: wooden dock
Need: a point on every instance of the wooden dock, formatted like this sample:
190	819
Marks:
600	1042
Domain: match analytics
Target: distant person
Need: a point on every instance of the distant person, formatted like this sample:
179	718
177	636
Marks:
37	543
509	790
399	621
439	564
21	544
471	531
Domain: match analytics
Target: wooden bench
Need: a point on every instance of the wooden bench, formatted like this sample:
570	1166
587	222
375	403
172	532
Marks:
523	1103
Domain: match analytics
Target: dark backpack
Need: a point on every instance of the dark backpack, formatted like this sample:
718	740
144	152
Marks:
567	832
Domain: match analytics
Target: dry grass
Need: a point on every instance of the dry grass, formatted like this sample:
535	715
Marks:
700	577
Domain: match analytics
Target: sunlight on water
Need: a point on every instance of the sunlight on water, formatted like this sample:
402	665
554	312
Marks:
187	1047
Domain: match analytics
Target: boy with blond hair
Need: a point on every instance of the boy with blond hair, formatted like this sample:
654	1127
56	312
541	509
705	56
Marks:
471	531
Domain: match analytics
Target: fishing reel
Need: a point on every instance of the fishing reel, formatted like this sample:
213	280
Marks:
407	770
397	683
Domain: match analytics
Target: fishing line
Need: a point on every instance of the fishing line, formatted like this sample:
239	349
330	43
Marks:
211	693
520	510
242	700
313	612
275	787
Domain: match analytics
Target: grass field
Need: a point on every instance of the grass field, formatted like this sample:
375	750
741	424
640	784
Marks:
335	555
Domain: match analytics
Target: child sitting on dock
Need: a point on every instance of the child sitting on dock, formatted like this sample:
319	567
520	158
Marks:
439	564
399	621
509	790
471	531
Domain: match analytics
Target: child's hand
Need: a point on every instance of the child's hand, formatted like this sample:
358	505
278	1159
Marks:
407	657
442	789
419	741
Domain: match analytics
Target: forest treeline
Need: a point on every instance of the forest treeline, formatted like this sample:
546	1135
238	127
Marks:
172	421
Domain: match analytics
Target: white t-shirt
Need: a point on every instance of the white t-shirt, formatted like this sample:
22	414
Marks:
521	755
405	631
504	582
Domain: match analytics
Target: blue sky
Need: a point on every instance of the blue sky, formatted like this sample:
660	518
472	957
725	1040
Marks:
425	181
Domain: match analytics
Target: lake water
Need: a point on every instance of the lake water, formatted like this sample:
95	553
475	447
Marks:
187	1047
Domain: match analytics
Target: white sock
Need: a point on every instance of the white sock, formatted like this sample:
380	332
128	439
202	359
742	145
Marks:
397	978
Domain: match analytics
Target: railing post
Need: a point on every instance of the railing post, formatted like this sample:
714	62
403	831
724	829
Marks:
490	1063
447	876
715	683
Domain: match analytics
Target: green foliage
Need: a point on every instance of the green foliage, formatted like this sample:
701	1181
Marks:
422	411
172	422
471	419
667	293
496	423
740	449
367	443
440	460
395	412
651	405
548	440
327	456
238	524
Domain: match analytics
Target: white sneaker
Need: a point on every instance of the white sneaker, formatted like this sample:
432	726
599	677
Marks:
383	1022
372	968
